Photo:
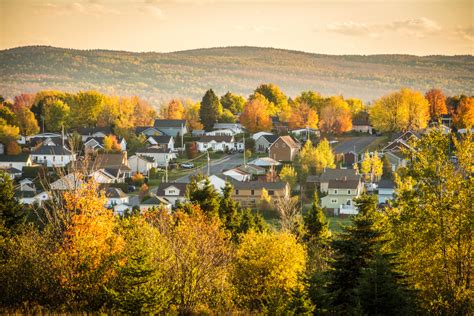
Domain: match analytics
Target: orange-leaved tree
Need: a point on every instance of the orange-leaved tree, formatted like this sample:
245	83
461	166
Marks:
437	102
303	116
336	116
255	116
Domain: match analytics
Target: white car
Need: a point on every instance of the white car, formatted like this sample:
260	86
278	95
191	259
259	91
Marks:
187	165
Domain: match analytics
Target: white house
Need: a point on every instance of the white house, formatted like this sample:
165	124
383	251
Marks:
52	156
16	161
259	134
237	174
236	128
161	156
102	176
141	164
162	141
216	143
215	181
96	143
31	197
221	132
172	192
386	191
115	196
341	194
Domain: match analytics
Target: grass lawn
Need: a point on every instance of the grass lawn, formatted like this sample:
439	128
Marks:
336	222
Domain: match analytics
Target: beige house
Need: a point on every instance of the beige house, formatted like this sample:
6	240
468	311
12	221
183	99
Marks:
249	193
341	194
285	148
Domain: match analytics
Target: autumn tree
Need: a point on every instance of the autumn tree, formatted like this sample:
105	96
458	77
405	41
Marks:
86	107
335	116
12	214
255	116
89	247
56	115
267	271
464	115
7	115
288	174
174	110
191	115
371	166
13	148
8	133
143	112
356	105
210	110
302	116
435	244
400	111
26	121
277	100
312	99
233	102
437	102
111	144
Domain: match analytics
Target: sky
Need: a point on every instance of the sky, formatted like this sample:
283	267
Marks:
419	27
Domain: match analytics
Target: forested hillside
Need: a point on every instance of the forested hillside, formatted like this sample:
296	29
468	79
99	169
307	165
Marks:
159	76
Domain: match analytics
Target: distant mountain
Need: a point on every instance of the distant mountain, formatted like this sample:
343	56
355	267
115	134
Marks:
159	76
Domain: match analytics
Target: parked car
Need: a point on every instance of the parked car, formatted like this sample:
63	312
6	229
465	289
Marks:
132	188
371	186
187	165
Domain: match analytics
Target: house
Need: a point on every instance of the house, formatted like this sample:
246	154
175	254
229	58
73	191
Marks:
402	141
285	148
154	202
216	143
248	194
236	128
341	194
141	164
12	172
42	139
68	182
171	127
16	161
115	165
386	189
336	174
259	134
361	123
87	132
303	133
265	162
237	174
161	141
264	142
102	176
115	196
29	197
278	126
397	159
39	137
257	173
221	132
52	156
147	131
172	192
120	209
198	132
96	143
215	181
161	156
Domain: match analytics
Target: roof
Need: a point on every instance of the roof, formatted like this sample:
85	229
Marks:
161	139
146	158
227	125
269	138
289	141
115	193
109	160
141	129
252	169
264	162
92	130
343	184
181	186
14	158
153	150
25	194
52	150
339	174
10	170
154	200
361	118
217	139
386	184
258	185
170	123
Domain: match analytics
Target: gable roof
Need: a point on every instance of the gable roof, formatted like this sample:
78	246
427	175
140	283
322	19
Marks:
269	138
52	150
155	200
265	162
141	129
169	123
258	185
92	130
386	184
287	139
109	160
339	174
181	186
343	184
161	139
217	139
14	158
115	193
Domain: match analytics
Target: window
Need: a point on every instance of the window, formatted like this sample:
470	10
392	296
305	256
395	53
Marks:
348	191
236	192
276	145
348	202
271	192
252	192
171	191
335	191
334	201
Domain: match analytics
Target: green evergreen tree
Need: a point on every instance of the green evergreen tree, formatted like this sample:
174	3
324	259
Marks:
229	209
211	109
12	214
204	195
317	227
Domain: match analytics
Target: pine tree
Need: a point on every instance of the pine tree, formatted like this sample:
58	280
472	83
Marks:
317	227
210	110
204	195
12	213
229	209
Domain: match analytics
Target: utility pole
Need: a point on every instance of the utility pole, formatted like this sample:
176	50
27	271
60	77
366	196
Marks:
208	164
245	160
166	170
182	137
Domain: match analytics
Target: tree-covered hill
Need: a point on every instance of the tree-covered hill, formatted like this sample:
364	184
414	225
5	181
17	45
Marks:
159	76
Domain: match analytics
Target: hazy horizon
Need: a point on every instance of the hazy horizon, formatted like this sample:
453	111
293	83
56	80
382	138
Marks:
349	27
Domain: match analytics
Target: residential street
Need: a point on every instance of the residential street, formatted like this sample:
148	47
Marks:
217	166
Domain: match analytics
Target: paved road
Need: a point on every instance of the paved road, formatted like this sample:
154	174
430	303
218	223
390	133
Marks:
357	143
216	166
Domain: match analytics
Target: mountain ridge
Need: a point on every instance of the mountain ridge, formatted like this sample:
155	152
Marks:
159	76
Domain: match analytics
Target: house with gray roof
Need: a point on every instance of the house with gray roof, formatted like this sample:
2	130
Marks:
264	142
171	127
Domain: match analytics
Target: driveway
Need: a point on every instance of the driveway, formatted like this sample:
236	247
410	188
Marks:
216	166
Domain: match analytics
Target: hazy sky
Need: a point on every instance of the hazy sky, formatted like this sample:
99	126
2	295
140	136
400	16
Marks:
420	27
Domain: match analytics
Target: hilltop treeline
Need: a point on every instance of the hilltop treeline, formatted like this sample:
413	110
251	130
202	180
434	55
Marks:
160	76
